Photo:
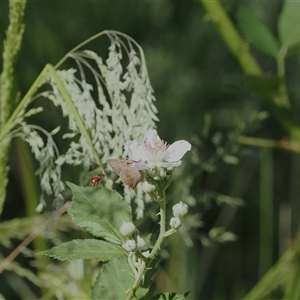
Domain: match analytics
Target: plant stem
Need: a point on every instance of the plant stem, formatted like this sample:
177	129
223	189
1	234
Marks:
162	232
142	270
236	45
278	102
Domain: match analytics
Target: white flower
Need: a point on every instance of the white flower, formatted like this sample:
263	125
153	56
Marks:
154	152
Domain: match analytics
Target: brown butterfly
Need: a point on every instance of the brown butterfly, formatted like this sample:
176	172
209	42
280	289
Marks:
127	173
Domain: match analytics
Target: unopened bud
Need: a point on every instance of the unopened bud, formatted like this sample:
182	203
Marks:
130	245
140	242
175	223
127	229
157	173
180	209
146	253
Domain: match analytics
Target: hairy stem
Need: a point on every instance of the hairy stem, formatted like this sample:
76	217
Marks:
143	269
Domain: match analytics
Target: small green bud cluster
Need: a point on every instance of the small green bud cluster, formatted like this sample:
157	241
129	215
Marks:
179	211
157	173
156	181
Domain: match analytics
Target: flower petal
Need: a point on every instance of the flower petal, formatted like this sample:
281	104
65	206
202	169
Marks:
171	164
151	137
140	166
176	151
134	150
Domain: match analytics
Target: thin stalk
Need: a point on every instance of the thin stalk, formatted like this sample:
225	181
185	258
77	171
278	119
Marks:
94	37
279	101
236	45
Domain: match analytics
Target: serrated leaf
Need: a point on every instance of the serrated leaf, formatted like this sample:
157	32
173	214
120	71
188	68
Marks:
100	211
114	280
170	296
289	24
257	33
85	249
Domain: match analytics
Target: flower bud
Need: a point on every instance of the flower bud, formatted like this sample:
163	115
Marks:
180	209
162	173
170	170
146	253
127	229
157	173
175	223
140	242
130	245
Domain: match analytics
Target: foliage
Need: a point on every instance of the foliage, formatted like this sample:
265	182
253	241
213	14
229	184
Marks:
240	179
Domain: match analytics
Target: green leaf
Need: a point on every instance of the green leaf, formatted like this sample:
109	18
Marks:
289	24
85	249
257	33
170	296
114	281
100	211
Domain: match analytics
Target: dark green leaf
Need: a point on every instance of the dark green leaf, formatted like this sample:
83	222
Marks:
289	23
100	211
257	33
114	281
85	249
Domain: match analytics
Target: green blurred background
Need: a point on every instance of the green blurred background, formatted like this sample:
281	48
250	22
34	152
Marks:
197	82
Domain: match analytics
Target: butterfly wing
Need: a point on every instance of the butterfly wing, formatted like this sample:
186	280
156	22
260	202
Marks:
118	164
131	177
128	175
